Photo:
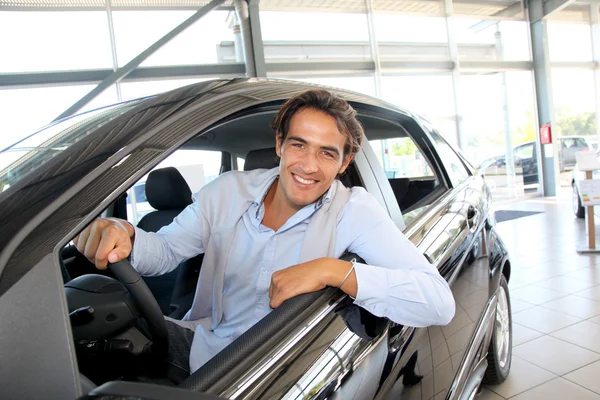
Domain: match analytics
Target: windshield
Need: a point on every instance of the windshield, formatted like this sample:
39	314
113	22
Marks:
32	152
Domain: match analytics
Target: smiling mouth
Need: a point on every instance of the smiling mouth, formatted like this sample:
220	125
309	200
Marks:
304	181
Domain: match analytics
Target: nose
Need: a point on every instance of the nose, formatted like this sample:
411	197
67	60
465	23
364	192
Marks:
309	163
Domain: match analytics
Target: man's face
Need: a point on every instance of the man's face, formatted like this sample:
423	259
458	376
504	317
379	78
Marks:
312	155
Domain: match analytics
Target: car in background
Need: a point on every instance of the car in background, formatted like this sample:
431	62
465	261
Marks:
525	156
576	179
70	334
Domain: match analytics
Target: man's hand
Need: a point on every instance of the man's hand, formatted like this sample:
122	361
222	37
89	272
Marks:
105	240
310	277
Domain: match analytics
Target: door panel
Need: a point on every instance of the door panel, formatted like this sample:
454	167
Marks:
468	272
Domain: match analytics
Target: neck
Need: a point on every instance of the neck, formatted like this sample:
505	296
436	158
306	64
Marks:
277	208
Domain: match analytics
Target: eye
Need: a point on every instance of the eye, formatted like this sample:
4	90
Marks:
298	145
328	154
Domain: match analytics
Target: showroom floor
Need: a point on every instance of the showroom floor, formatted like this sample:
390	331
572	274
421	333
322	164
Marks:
555	296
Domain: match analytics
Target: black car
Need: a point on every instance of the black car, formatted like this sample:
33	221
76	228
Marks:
525	161
69	334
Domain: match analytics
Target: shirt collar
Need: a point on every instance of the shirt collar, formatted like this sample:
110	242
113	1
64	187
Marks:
258	201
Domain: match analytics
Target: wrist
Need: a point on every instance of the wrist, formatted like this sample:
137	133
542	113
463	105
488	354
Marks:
336	271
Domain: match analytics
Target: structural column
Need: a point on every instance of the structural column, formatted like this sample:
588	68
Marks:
548	153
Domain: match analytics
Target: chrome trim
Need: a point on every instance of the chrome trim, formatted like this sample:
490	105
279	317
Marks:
471	387
278	353
481	333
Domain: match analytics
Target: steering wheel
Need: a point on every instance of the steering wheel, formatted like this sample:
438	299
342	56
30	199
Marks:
145	301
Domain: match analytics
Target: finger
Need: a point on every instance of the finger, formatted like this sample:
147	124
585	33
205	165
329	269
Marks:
122	249
111	238
81	239
91	245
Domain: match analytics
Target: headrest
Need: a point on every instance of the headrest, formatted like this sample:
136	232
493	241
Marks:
263	158
167	190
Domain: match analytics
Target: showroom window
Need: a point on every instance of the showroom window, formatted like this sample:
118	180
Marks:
360	84
332	36
431	96
492	40
402	37
570	34
198	167
56	40
197	44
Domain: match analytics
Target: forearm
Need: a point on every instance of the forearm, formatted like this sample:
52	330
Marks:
414	297
336	270
161	252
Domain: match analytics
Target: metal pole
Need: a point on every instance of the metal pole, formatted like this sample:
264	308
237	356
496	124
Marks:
113	45
374	47
453	53
249	18
509	157
131	65
595	31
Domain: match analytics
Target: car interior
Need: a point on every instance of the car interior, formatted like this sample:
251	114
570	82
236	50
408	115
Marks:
167	192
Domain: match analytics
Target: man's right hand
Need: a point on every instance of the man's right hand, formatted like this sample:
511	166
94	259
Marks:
106	240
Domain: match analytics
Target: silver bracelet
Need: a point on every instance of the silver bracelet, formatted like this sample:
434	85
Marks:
353	261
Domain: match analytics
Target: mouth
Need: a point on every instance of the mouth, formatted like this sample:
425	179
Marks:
302	181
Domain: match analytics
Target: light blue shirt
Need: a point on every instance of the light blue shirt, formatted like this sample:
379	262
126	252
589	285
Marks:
399	283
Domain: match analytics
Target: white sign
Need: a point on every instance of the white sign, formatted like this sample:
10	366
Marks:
587	160
589	191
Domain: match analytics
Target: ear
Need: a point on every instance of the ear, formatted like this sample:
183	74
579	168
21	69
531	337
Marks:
278	144
347	160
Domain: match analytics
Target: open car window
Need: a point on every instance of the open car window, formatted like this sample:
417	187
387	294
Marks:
407	167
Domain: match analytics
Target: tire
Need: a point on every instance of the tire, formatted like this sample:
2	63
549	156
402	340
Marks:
578	209
499	355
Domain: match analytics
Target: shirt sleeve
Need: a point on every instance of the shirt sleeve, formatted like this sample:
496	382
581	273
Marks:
158	253
399	283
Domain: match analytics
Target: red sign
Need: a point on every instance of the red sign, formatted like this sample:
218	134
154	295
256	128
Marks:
545	134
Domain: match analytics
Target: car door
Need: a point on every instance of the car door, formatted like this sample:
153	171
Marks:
459	253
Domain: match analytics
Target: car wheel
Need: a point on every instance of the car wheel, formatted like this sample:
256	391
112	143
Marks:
500	351
578	209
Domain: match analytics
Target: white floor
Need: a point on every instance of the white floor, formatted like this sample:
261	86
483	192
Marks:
555	295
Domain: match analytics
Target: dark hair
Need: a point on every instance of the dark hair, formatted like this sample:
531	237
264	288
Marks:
328	103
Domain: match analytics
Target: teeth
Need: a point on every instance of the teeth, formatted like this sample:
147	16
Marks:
305	181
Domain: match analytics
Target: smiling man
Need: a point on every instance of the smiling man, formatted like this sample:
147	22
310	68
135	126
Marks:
269	235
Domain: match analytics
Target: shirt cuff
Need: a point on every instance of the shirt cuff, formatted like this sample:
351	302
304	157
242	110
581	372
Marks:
372	284
139	244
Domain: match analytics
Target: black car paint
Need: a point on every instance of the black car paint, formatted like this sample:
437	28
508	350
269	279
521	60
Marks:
58	201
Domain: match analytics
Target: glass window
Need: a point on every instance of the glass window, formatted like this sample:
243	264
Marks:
496	106
490	40
26	110
197	44
453	164
525	151
331	36
32	152
198	167
574	101
411	37
431	96
360	84
569	34
56	40
408	171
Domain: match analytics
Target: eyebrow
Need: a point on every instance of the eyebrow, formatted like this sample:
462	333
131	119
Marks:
328	148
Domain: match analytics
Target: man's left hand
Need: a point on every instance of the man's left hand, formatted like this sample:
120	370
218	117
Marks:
310	277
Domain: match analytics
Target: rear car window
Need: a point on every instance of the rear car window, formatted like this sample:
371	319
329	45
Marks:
198	167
